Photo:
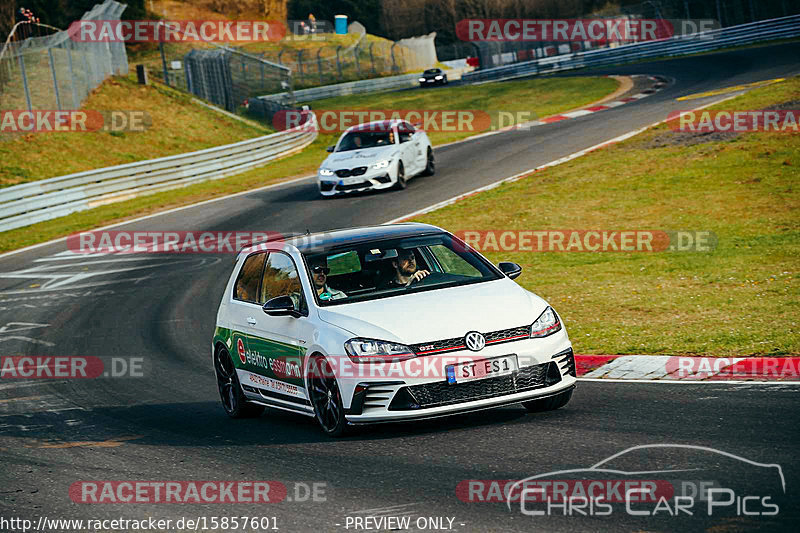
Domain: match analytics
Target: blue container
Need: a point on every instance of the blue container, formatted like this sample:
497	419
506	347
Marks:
341	24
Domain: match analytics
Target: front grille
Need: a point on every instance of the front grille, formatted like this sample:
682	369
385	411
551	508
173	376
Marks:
359	185
326	186
441	393
347	172
458	343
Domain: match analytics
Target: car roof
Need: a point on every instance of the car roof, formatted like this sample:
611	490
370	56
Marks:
321	241
376	125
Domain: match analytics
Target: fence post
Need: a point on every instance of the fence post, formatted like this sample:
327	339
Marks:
25	81
338	61
76	102
280	55
372	59
300	63
319	66
355	56
263	82
394	61
164	63
55	78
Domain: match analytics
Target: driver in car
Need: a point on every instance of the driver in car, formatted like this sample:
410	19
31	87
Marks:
406	272
319	273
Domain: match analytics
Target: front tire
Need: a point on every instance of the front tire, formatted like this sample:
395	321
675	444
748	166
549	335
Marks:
230	390
549	404
430	168
402	182
325	397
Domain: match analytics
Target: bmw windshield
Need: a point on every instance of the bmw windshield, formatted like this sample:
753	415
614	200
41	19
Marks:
357	140
385	268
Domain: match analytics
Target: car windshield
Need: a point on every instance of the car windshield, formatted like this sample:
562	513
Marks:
356	140
386	268
433	71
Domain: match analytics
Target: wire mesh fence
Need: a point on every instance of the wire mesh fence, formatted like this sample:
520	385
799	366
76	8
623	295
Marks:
54	72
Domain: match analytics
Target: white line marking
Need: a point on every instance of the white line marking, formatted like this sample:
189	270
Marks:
578	113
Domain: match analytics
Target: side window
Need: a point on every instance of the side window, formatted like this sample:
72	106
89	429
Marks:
405	131
452	263
281	279
246	288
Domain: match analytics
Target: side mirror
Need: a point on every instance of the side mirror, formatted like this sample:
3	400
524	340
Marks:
330	148
280	306
512	270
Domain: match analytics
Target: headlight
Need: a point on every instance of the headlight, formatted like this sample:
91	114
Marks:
422	79
325	172
381	164
374	351
439	77
547	324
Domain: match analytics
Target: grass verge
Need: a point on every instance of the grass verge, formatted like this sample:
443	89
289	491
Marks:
740	299
177	125
300	164
538	97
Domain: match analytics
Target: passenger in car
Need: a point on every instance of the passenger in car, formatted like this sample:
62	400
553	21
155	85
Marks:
319	273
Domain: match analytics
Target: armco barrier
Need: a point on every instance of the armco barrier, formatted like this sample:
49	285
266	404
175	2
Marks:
22	205
754	32
343	89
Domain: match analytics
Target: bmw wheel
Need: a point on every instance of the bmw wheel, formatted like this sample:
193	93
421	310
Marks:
326	397
549	404
230	391
402	182
430	168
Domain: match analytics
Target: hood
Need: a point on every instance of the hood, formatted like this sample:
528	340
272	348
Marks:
439	314
358	158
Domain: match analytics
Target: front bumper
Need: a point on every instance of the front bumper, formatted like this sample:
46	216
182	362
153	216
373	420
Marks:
387	399
371	180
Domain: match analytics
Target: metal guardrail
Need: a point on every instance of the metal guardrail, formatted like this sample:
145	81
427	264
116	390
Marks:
343	89
22	205
765	30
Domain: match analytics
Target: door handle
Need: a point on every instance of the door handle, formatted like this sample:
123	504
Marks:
252	321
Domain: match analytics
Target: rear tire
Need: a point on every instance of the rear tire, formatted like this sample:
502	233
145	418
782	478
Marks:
549	404
402	182
230	390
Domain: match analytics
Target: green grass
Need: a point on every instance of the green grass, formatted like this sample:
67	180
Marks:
538	97
178	125
740	299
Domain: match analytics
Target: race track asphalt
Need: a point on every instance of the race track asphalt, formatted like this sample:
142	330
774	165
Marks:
168	424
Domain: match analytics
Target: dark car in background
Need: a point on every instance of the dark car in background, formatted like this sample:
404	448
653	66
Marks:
433	76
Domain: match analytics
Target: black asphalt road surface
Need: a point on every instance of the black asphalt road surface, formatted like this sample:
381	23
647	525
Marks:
165	423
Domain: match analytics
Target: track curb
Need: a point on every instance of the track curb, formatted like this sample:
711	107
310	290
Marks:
687	368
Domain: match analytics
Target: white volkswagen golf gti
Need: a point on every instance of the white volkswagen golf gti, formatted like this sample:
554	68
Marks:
376	155
384	323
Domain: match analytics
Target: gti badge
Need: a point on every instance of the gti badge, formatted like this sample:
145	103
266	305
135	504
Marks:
475	341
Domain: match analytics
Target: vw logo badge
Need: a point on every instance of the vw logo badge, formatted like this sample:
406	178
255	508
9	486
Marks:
475	341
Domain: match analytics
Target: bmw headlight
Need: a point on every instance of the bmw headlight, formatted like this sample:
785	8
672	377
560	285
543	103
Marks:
547	324
375	351
422	79
439	77
381	164
325	172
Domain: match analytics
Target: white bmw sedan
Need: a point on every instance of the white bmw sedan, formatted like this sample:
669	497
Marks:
376	155
384	323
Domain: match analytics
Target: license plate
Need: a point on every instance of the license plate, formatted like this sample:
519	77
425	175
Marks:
350	181
481	369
